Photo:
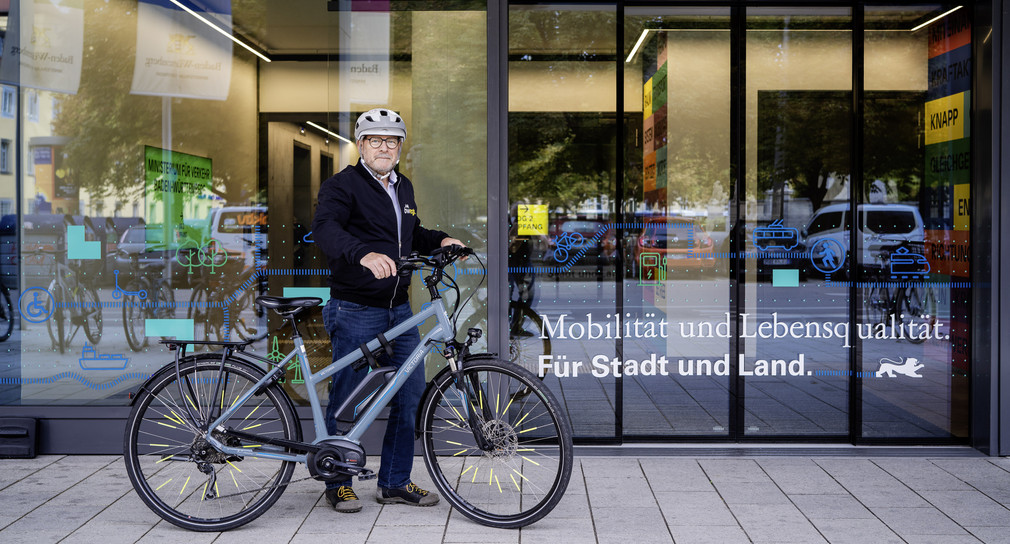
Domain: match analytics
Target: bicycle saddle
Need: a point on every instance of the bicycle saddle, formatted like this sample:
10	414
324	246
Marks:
288	305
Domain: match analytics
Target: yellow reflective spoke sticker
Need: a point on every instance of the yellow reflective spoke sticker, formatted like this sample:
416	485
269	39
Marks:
163	485
184	484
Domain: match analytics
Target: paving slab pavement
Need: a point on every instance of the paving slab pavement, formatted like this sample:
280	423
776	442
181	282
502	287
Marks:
681	499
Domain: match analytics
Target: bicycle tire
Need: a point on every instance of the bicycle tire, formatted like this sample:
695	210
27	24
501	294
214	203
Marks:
246	315
531	436
134	315
162	469
6	314
525	346
911	310
91	310
875	306
60	317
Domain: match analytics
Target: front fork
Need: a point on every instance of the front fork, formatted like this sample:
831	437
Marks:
470	387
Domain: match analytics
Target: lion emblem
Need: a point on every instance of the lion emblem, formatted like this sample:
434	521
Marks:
908	367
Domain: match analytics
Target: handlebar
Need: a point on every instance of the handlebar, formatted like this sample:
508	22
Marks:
438	260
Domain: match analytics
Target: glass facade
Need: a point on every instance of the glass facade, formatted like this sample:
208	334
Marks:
725	222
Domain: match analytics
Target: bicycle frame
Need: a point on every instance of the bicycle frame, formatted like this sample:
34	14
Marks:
441	332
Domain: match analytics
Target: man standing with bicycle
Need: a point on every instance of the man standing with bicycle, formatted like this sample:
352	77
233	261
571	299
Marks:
366	219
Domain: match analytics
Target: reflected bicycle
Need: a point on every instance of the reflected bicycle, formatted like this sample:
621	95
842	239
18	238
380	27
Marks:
213	439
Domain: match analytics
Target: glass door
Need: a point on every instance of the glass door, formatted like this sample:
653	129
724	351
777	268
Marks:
677	350
562	174
793	316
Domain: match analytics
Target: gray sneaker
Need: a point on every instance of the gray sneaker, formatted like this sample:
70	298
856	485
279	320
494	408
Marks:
343	499
408	494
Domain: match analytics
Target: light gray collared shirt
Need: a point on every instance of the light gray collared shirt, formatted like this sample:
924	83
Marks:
390	189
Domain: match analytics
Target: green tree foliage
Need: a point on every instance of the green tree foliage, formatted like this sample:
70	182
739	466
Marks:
108	127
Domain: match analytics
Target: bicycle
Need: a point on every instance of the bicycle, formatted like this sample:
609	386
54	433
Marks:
152	298
229	287
6	313
500	457
76	305
898	305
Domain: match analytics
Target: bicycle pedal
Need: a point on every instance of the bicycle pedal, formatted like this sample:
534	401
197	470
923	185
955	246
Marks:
366	474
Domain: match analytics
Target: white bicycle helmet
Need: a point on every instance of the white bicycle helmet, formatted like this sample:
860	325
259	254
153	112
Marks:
381	122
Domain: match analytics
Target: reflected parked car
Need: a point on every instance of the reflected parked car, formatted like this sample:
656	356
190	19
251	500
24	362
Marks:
670	245
142	245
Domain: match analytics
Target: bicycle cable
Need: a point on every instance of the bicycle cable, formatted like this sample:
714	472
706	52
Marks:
455	311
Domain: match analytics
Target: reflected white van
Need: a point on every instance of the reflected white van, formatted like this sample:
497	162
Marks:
240	229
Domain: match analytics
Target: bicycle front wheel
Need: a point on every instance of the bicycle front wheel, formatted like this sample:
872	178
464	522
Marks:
912	312
6	315
178	474
59	324
134	316
522	471
90	313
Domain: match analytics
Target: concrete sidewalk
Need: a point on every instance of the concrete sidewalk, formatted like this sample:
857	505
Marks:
641	500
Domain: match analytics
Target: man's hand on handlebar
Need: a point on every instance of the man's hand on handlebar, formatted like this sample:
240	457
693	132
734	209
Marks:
449	241
380	265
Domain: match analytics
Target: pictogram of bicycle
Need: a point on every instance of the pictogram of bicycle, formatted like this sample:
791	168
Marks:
118	292
564	242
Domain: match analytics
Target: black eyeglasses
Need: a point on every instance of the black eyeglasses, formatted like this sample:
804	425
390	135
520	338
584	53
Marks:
391	143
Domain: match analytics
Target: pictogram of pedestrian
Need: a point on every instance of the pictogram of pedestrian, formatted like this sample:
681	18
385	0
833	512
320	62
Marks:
826	255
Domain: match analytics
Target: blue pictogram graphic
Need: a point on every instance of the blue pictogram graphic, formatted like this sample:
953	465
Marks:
907	265
776	235
92	360
119	292
827	255
564	242
36	305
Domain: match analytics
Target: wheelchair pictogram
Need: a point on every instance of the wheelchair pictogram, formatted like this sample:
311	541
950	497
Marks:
565	242
36	305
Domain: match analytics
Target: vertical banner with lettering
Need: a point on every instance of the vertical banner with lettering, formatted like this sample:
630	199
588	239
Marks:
43	44
654	111
178	53
948	170
654	123
364	69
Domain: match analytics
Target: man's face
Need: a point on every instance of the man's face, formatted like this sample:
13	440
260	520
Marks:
381	159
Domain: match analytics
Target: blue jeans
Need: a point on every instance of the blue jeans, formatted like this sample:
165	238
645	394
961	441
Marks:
350	325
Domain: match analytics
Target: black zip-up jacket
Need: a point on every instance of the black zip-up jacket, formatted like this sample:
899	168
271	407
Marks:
354	217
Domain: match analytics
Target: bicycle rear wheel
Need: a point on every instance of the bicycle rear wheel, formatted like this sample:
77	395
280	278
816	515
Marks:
134	315
59	325
523	473
180	476
6	314
90	310
912	312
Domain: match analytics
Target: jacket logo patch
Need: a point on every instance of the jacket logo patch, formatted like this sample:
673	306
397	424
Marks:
408	210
